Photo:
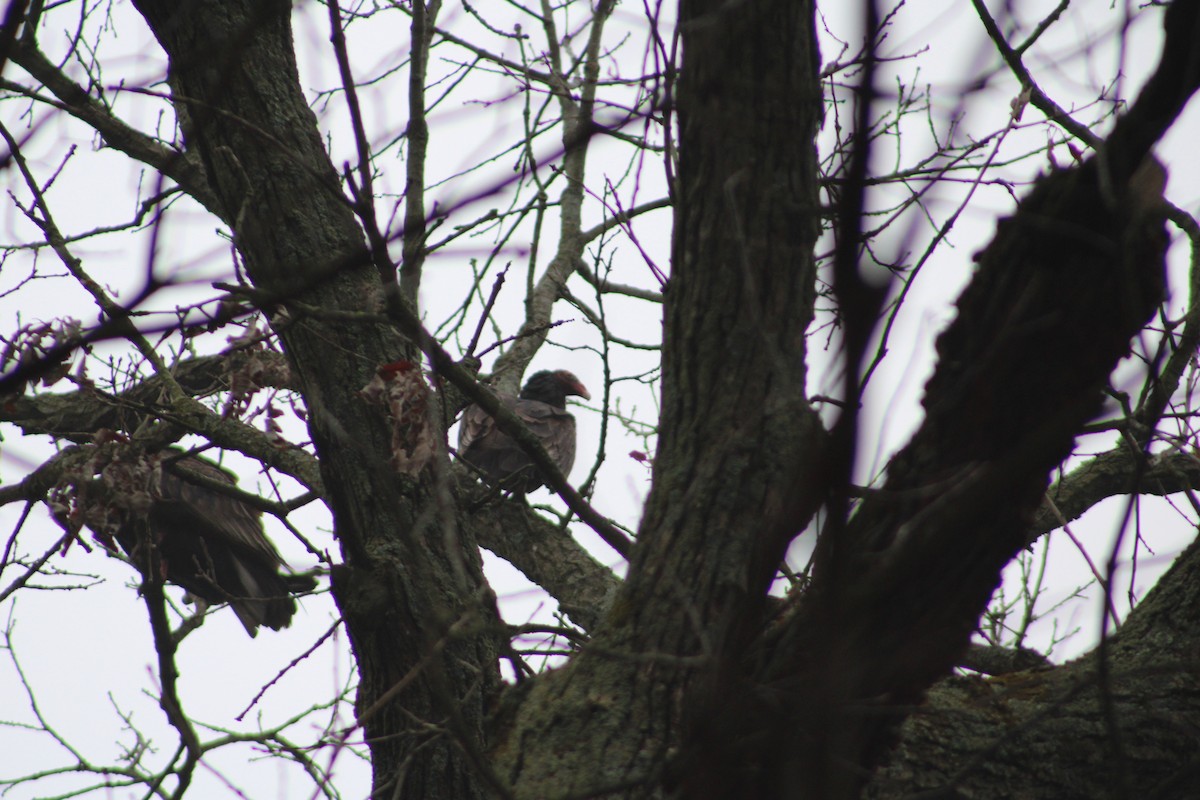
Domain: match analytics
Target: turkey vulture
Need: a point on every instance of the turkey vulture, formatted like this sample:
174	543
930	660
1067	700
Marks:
542	406
213	545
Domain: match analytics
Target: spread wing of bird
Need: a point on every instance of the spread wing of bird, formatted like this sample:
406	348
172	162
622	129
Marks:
214	545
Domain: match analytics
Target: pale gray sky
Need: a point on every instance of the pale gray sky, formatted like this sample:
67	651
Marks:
88	654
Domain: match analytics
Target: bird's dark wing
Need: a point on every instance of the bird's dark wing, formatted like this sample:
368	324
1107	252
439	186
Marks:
221	516
489	449
554	427
214	546
474	431
486	447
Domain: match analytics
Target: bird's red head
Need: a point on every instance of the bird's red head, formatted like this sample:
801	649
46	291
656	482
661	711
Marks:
553	387
572	384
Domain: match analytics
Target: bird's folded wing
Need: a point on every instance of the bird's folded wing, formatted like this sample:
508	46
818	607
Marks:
554	427
222	517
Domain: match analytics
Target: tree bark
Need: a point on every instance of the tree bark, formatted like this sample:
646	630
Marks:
737	472
1120	722
411	591
1059	293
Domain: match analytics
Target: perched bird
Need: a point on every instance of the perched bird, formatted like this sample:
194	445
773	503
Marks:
213	545
542	406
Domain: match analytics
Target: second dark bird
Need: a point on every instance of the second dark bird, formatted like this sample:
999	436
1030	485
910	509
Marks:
213	546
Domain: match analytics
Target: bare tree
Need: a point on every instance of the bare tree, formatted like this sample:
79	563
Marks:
335	325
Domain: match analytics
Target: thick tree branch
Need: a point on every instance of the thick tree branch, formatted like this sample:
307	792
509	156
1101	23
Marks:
545	553
739	464
78	416
995	660
421	35
1059	293
1122	470
974	735
410	571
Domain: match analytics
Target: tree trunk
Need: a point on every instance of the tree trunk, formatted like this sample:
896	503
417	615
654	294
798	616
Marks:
737	471
411	589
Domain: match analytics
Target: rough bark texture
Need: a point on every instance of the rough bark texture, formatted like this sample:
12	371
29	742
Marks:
1020	370
546	553
1121	722
1067	281
1059	293
411	588
737	469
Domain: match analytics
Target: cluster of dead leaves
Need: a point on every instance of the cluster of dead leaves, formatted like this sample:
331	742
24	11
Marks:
104	489
401	390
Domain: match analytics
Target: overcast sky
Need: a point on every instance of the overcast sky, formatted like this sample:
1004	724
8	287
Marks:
87	653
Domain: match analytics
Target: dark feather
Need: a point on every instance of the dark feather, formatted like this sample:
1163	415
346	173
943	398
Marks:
214	546
542	407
